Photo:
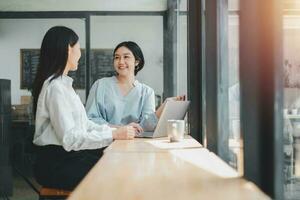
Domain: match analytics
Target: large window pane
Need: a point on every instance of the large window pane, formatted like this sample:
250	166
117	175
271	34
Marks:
291	65
235	139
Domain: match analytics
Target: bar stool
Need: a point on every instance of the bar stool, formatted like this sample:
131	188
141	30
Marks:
53	193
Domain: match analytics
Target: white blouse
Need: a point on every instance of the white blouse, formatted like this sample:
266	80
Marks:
61	119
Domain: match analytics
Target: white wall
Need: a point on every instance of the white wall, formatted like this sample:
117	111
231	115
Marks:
16	34
107	32
146	31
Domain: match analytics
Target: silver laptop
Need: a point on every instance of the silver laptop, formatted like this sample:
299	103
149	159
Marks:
172	110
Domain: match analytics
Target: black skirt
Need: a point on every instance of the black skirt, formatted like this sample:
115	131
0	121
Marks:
58	168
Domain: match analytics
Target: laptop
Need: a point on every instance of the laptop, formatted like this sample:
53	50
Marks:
172	110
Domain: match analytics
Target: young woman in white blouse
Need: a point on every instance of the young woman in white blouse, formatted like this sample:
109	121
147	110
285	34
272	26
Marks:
68	143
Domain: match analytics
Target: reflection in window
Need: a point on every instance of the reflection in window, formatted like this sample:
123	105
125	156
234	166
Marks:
291	68
235	141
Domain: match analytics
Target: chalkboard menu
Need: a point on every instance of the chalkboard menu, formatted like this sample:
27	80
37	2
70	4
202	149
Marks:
101	62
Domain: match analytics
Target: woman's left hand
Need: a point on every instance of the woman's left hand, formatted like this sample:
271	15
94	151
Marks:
161	107
176	98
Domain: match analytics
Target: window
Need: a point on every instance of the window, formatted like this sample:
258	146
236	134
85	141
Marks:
291	67
235	140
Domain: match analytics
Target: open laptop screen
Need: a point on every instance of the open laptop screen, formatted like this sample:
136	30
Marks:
172	110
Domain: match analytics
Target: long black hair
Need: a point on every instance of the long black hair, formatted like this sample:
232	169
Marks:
53	57
136	51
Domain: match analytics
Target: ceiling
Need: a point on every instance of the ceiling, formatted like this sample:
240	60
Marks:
83	5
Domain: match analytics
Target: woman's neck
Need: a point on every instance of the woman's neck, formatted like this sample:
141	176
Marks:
66	71
126	80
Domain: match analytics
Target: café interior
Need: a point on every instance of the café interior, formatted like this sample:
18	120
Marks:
233	59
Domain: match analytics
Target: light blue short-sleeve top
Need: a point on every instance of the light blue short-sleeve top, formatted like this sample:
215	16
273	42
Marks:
107	105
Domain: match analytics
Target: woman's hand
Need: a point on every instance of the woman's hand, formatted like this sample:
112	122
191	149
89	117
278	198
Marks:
137	127
161	107
124	133
177	98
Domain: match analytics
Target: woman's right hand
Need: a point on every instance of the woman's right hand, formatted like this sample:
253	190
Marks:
124	133
137	127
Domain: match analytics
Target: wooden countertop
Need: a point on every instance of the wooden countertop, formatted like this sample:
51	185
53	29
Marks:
155	169
152	145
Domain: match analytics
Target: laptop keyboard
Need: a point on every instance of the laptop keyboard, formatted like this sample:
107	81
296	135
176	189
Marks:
146	134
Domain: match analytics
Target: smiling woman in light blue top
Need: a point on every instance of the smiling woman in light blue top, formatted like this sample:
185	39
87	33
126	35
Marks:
121	99
107	105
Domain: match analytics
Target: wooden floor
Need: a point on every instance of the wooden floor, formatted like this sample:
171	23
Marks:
21	190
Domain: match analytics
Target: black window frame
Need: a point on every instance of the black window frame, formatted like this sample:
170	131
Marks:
261	85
